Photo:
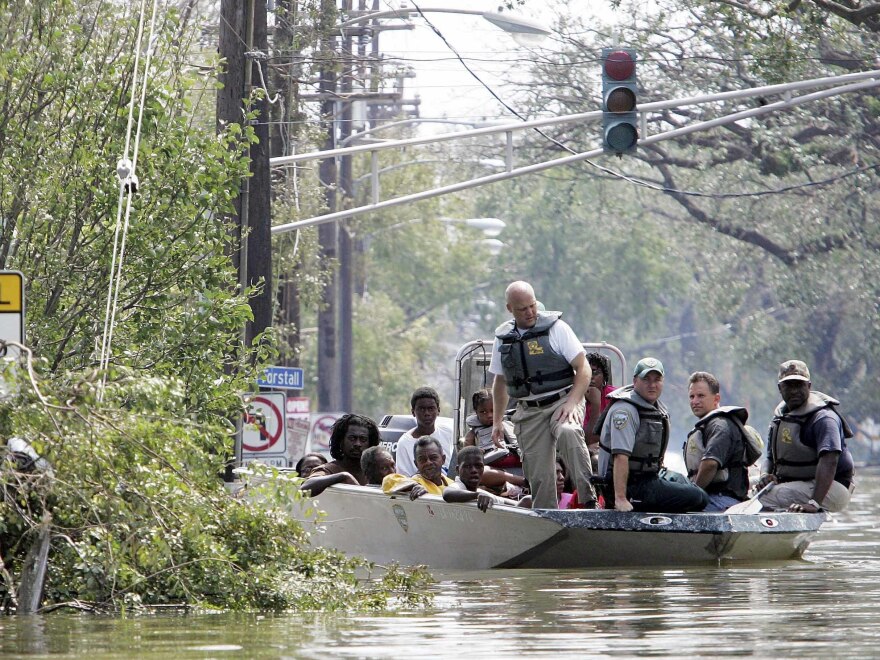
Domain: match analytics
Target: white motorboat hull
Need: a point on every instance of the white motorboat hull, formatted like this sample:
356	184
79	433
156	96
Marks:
429	531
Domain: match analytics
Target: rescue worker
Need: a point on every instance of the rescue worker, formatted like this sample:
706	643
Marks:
807	457
537	359
714	452
634	434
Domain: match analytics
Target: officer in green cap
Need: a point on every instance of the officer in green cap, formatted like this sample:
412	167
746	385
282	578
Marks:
633	436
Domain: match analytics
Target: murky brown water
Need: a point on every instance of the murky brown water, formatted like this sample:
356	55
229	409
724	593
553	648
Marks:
827	606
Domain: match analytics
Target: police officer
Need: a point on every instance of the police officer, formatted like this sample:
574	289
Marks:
537	359
632	440
807	456
714	452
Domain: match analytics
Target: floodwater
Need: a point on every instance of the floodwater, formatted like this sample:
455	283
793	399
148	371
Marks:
825	606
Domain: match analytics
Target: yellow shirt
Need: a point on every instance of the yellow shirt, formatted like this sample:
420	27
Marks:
395	483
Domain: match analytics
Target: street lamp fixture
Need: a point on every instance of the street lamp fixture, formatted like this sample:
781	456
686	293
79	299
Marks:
491	227
525	31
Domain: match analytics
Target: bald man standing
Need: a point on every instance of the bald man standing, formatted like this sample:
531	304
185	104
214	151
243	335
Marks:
537	359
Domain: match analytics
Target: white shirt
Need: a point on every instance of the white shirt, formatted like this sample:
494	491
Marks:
405	460
562	340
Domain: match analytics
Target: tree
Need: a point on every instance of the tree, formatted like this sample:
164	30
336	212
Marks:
773	214
134	507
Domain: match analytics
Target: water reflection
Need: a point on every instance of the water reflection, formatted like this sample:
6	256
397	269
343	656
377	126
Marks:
827	605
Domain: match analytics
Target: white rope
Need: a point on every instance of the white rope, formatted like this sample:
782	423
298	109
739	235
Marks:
123	170
128	184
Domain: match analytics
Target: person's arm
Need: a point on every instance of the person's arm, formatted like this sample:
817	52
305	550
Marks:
582	374
470	439
825	471
499	401
621	477
594	405
719	445
484	499
317	485
706	472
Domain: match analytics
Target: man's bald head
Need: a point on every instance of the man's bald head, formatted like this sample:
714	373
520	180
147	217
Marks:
521	303
518	288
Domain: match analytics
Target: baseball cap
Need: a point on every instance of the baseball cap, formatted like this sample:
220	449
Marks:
793	370
646	365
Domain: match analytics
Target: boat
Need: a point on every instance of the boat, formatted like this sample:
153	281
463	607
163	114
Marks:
384	528
429	531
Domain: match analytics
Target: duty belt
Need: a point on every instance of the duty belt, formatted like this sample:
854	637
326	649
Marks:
546	401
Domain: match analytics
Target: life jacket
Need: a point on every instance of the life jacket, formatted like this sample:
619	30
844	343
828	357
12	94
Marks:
695	446
652	436
530	364
792	459
483	434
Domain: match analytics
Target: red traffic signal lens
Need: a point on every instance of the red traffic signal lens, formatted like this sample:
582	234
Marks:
619	65
620	99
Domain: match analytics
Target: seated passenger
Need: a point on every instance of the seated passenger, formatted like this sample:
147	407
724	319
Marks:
376	464
467	484
349	437
429	460
309	462
596	401
425	404
500	454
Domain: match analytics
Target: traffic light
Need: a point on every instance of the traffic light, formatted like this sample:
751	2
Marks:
619	117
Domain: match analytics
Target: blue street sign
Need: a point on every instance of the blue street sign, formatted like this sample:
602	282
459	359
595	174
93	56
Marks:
282	378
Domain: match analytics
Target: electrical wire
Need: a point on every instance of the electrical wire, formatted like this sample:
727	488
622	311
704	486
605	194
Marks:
620	175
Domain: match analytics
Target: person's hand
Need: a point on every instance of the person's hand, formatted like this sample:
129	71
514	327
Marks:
484	501
416	492
498	435
565	412
803	508
348	479
766	479
622	504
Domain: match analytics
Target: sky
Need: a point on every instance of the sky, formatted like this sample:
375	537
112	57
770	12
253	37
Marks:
443	84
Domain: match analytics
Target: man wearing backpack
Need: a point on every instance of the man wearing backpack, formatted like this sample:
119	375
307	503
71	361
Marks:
807	457
718	450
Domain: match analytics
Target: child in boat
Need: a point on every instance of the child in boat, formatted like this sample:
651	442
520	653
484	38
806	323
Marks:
502	455
467	484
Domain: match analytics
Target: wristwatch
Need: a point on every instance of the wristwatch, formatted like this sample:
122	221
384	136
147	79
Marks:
815	504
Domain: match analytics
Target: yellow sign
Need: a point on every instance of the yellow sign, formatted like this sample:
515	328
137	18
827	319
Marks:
11	294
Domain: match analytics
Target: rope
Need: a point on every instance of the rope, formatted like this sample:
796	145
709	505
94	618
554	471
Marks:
128	186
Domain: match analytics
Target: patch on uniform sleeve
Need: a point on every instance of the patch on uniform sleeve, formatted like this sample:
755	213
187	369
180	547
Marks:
619	419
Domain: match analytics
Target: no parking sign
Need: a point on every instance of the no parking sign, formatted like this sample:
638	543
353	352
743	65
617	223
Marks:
263	431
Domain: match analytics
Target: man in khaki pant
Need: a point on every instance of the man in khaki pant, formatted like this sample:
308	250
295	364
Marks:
537	359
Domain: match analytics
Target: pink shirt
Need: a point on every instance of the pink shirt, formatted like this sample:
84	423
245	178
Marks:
604	402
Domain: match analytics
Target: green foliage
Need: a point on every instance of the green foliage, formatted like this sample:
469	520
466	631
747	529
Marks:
139	516
138	512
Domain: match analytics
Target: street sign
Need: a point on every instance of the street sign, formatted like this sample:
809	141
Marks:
263	431
282	378
11	309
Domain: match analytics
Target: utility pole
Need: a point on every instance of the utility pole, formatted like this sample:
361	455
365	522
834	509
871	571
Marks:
329	399
243	36
346	253
285	131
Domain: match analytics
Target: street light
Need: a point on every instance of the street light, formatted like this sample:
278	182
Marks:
529	31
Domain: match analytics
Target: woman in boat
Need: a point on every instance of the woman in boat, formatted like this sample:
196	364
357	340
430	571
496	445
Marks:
596	401
309	462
